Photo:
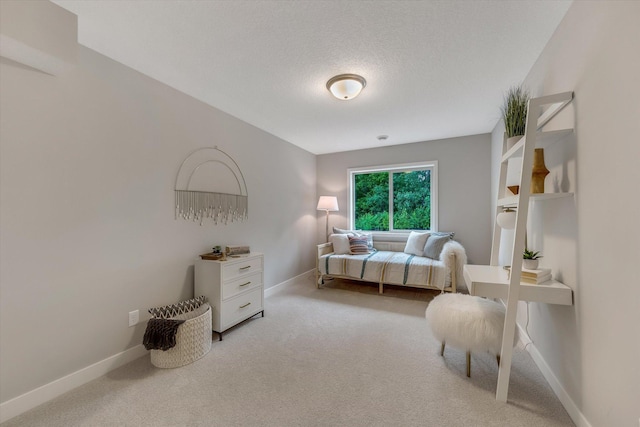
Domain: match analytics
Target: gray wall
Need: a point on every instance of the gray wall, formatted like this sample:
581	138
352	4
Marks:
464	169
591	241
88	163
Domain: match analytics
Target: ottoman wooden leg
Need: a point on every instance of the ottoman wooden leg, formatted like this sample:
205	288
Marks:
498	359
469	364
442	349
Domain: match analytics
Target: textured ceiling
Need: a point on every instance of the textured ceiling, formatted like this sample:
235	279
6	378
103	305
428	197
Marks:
434	69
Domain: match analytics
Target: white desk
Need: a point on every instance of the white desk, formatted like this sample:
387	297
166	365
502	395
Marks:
493	282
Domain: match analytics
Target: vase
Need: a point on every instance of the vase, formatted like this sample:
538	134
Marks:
539	172
530	264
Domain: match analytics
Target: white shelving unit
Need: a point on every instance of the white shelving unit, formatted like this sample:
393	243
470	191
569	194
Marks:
493	281
512	201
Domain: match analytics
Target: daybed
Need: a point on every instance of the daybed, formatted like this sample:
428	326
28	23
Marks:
391	261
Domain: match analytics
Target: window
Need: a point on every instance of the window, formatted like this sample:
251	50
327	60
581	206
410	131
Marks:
394	198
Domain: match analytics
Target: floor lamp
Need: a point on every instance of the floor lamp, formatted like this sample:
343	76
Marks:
328	204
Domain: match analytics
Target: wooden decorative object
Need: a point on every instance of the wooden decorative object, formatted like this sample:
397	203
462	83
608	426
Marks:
539	172
515	189
214	256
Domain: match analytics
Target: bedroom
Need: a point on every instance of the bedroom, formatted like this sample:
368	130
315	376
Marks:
89	185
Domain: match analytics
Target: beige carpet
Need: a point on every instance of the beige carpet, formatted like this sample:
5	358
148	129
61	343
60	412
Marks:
338	356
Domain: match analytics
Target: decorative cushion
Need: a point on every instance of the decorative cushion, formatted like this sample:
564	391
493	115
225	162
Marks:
358	245
172	310
337	230
416	242
359	233
435	243
369	238
340	244
444	233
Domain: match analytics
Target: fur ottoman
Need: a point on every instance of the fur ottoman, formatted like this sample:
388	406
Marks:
468	323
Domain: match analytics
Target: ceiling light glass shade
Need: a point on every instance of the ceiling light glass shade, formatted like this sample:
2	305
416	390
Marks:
346	86
328	203
507	219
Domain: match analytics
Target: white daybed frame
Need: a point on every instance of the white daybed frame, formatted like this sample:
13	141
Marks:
396	245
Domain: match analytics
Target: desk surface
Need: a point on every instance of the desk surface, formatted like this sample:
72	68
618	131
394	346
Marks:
493	282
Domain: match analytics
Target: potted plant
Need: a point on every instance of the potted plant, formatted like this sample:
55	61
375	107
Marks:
514	113
530	259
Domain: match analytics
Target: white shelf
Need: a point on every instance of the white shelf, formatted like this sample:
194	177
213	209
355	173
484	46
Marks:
556	103
493	282
512	201
548	138
543	140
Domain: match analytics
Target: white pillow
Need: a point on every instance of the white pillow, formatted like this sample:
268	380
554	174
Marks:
415	243
340	244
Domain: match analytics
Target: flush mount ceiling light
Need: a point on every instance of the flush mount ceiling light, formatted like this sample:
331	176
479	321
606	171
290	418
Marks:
346	86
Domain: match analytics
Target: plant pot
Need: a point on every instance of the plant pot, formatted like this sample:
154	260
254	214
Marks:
530	264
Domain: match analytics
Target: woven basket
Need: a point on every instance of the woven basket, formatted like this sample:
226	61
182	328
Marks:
193	340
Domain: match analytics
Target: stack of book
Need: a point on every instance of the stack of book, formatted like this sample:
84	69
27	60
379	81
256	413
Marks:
535	277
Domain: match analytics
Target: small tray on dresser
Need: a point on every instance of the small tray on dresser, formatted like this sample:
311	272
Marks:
212	256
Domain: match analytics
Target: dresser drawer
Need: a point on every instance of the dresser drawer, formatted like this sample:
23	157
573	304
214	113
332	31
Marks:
241	307
233	287
240	268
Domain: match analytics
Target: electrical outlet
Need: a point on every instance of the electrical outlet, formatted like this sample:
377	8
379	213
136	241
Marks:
134	317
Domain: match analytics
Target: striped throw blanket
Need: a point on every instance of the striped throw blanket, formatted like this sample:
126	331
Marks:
389	267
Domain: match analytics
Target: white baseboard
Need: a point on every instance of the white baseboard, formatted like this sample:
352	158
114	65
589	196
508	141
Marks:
269	291
572	409
31	399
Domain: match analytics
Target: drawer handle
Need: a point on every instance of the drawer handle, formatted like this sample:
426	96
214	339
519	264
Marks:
246	305
245	268
245	284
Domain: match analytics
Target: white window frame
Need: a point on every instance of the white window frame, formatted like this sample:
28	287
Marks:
404	167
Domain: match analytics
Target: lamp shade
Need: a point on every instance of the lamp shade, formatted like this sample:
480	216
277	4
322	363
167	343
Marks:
346	86
328	203
507	219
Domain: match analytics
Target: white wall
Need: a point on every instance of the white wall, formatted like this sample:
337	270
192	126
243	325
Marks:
464	167
88	163
591	241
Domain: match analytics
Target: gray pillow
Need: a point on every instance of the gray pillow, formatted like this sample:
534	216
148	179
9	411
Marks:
435	243
444	233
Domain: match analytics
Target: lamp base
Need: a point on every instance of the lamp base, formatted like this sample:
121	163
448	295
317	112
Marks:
327	227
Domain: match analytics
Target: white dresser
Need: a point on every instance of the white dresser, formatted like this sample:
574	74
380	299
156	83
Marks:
234	289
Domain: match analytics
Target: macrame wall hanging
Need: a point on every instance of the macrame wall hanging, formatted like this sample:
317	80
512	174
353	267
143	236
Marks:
210	185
